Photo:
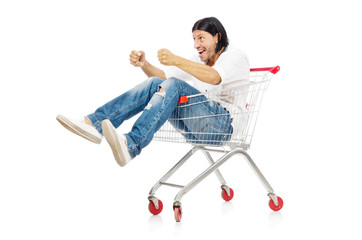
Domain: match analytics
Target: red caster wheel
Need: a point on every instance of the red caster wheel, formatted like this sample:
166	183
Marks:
274	207
152	208
225	196
178	213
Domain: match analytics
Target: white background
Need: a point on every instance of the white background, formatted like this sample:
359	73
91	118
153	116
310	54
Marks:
69	57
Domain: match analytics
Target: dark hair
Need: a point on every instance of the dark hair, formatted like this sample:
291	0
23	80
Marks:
213	26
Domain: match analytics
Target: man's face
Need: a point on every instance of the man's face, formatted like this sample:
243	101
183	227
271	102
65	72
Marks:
205	44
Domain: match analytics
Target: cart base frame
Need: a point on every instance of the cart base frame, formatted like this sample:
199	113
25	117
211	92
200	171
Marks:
275	201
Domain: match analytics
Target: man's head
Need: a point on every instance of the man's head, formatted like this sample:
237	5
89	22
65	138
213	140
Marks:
210	38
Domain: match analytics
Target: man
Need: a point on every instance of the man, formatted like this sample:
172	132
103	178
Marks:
215	66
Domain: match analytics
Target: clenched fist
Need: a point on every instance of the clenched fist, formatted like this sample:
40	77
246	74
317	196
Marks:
166	57
137	58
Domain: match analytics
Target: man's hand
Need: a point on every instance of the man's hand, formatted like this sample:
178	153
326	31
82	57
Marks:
137	58
167	58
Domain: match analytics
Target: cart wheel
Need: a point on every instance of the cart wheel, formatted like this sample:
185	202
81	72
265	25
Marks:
225	196
274	207
178	214
152	208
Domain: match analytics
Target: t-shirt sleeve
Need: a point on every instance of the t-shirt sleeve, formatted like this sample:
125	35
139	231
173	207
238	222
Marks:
232	66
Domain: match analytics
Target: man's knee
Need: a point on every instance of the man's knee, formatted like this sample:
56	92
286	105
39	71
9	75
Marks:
155	80
170	83
173	80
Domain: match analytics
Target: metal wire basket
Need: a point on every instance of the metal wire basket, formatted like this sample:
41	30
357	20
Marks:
242	100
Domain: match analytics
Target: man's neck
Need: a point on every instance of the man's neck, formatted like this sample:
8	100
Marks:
211	62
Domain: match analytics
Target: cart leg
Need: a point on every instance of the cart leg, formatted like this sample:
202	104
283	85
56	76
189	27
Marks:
217	172
211	161
271	194
172	171
258	173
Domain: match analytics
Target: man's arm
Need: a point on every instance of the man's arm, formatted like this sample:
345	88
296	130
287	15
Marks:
200	71
138	59
152	71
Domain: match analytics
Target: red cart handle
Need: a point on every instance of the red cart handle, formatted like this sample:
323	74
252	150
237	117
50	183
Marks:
273	70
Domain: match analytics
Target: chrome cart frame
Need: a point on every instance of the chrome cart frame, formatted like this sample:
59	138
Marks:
248	96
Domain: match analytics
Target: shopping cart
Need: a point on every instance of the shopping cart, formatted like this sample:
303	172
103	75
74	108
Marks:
187	125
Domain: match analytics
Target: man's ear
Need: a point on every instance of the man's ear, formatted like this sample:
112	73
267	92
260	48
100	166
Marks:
217	37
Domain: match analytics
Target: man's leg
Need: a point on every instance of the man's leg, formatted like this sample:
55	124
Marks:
117	110
126	105
156	113
202	121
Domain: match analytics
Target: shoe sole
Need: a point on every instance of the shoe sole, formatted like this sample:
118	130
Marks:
113	140
77	130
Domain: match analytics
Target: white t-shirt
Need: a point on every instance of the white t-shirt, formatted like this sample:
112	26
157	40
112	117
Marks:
232	65
233	68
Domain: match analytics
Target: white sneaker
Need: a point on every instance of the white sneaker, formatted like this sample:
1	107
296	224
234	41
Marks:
118	143
80	128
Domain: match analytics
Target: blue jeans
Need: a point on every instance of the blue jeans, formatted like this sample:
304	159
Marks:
157	108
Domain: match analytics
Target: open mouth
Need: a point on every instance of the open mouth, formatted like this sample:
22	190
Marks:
202	53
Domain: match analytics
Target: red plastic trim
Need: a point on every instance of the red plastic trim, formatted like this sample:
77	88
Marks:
183	99
273	70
